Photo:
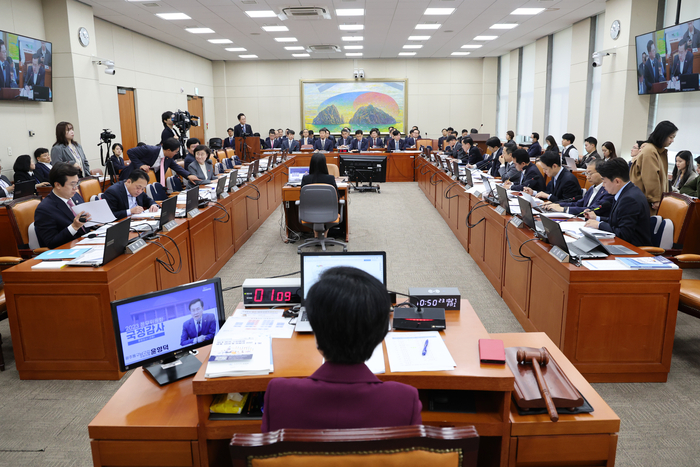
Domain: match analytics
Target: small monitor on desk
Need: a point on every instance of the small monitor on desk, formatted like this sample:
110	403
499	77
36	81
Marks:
296	174
314	264
192	199
161	328
167	211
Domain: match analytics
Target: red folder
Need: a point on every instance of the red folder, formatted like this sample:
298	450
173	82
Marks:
491	351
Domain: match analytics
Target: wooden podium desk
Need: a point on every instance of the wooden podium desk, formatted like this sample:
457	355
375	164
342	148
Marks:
614	326
399	165
290	195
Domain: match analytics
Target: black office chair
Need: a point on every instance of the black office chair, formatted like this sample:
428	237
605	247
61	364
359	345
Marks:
318	205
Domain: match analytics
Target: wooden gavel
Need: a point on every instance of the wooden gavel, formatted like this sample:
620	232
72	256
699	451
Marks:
537	358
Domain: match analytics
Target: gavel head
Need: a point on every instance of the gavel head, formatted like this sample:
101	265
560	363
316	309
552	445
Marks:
527	356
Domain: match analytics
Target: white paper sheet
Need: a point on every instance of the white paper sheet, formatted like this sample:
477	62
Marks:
405	351
146	215
376	361
557	215
258	313
605	265
99	210
92	241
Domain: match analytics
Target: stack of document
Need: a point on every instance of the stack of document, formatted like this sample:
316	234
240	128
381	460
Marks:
269	321
239	354
418	351
657	262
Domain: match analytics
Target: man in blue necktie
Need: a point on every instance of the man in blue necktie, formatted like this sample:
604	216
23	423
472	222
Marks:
201	327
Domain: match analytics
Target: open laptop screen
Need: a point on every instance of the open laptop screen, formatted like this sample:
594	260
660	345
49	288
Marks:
554	233
314	264
296	174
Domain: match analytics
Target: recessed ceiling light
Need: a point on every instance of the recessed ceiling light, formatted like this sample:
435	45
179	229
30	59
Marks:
352	38
200	30
504	26
294	47
221	41
248	56
353	54
472	46
439	11
172	16
275	28
353	47
412	46
350	12
261	14
286	39
460	53
485	38
428	26
527	11
235	49
351	27
418	38
301	55
407	53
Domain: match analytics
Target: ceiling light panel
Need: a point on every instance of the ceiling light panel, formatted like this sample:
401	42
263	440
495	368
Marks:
350	12
172	16
351	27
418	38
460	53
352	38
275	28
353	54
221	41
428	26
472	46
235	49
286	39
485	38
527	11
406	54
353	47
261	14
294	47
200	30
504	26
248	56
412	46
439	11
301	55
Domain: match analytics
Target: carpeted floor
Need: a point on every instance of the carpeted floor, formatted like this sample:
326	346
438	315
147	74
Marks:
44	423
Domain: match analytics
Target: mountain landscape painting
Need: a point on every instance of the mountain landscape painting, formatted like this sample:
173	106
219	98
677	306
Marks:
360	105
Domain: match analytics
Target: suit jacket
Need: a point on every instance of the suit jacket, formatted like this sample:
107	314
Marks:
241	130
117	163
587	158
440	141
119	203
189	330
391	145
567	186
687	65
26	176
509	172
535	150
629	217
189	158
3	193
41	74
229	142
62	153
577	207
42	172
531	177
167	133
342	396
328	179
378	143
204	178
46	56
488	162
344	141
409	142
361	145
272	144
292	146
306	141
326	145
695	43
473	157
52	218
652	73
6	80
148	155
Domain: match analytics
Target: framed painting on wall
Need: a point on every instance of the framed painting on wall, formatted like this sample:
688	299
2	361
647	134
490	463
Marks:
357	104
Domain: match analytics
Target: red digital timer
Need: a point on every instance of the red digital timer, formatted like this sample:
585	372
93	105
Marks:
282	292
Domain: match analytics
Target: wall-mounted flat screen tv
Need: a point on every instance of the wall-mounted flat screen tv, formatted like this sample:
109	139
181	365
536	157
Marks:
25	68
668	60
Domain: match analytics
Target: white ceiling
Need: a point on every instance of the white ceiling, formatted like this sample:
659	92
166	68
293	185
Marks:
388	24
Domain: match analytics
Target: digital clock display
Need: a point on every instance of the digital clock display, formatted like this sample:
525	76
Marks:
271	295
443	302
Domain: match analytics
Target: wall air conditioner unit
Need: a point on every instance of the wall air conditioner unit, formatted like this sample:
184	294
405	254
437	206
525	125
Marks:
305	13
323	49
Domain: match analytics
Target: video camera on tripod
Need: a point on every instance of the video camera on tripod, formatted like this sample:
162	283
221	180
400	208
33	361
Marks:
106	138
183	120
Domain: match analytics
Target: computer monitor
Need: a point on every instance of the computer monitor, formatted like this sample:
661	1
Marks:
313	264
233	179
526	213
297	173
363	169
503	198
160	328
220	186
24	189
554	234
167	211
192	199
468	176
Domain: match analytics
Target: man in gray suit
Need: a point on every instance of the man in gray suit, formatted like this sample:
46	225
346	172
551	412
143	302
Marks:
508	171
691	37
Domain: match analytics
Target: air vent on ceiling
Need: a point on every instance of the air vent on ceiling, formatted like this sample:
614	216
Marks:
249	2
306	13
151	5
323	49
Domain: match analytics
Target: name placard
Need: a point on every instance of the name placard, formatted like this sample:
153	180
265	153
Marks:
132	248
517	222
193	213
169	226
559	254
500	210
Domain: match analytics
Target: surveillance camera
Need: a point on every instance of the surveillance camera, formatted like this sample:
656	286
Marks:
110	71
362	74
356	74
597	60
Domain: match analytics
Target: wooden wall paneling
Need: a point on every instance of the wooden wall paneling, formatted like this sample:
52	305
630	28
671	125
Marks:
223	231
202	241
253	199
494	248
181	237
477	234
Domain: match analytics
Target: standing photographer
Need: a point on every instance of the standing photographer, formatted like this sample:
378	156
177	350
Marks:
168	128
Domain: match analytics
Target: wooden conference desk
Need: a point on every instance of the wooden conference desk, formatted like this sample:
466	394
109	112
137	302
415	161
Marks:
290	195
614	326
61	320
144	424
399	165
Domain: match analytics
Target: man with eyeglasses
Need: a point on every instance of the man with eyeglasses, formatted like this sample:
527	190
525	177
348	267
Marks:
57	218
595	196
127	197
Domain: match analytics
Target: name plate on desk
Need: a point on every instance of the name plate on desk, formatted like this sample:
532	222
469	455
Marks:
223	195
234	189
169	226
559	254
132	248
477	193
517	222
193	213
500	210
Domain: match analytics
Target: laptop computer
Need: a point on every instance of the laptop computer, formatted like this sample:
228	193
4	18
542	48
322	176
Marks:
313	264
556	237
296	174
167	211
220	186
590	239
116	239
191	202
488	192
24	189
233	179
503	199
529	218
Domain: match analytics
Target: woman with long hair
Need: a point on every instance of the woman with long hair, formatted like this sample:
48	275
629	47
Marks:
552	145
650	170
318	171
24	171
117	158
67	149
608	150
684	174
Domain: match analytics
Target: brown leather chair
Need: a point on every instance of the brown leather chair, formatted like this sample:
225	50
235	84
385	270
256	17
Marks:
230	153
405	445
221	154
689	302
5	262
89	187
97	172
333	170
21	215
678	209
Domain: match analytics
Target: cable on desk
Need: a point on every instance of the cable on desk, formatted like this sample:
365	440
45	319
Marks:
226	289
256	189
520	254
221	206
449	187
283	225
170	266
478	205
431	179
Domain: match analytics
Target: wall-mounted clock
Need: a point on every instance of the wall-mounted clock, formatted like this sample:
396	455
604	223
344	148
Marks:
615	30
84	37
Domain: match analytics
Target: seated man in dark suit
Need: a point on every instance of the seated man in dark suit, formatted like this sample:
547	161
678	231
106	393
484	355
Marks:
683	62
396	143
412	140
629	215
563	184
36	73
289	143
43	164
359	143
127	197
490	162
442	139
374	141
389	136
589	145
191	144
230	141
201	327
158	158
470	153
530	175
272	142
595	196
348	310
507	170
344	140
449	145
535	148
324	143
57	218
242	129
305	139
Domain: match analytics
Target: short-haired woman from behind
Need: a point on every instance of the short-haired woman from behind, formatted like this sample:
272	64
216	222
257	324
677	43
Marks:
348	310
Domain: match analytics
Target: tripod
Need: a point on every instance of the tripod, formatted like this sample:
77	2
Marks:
107	163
